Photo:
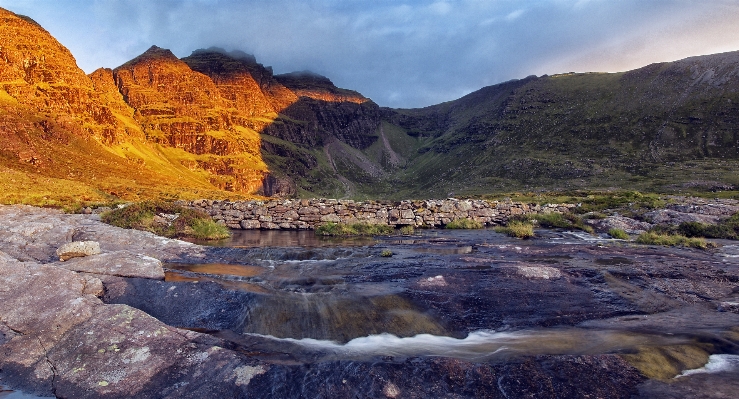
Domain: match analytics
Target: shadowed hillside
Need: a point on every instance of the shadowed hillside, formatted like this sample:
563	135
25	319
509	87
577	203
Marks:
664	126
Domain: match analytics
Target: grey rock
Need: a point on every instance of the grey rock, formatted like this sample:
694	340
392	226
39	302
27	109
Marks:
539	272
118	263
58	339
628	225
667	216
78	249
34	234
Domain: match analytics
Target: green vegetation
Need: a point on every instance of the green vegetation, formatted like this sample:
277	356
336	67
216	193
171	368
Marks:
208	229
618	234
407	230
626	199
386	253
555	220
581	132
673	240
354	229
517	229
166	219
463	224
728	228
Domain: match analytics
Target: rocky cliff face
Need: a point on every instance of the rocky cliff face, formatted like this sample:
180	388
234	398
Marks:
208	121
302	115
40	75
248	85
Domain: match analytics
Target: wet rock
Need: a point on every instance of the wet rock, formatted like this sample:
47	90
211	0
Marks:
437	281
729	307
78	249
118	263
605	376
342	294
202	305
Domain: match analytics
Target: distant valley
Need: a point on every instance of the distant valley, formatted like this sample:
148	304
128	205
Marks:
219	124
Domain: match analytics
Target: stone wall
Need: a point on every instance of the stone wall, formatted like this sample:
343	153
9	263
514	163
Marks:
306	214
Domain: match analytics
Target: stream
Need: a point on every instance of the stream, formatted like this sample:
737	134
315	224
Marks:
472	296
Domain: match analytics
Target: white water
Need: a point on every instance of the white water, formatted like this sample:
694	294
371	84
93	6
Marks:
716	364
580	236
481	345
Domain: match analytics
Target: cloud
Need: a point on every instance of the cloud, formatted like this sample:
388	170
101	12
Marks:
514	15
400	53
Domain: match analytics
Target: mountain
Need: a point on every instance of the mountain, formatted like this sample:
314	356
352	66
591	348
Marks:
219	124
158	126
666	126
61	132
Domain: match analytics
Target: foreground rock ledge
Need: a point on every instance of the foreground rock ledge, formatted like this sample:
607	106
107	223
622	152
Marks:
58	338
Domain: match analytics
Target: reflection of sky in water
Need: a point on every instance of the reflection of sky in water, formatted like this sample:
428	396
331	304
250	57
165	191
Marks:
285	238
7	394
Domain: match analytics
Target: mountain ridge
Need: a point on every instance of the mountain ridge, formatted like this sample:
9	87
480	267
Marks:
218	123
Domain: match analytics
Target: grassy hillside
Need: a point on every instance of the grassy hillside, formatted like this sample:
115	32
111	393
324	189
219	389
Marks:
669	126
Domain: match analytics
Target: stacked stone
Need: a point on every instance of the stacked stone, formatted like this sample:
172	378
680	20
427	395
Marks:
307	214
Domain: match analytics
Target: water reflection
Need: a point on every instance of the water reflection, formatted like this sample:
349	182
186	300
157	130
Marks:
8	394
284	238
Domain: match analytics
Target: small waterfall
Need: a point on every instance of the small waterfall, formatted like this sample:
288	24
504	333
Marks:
336	317
483	345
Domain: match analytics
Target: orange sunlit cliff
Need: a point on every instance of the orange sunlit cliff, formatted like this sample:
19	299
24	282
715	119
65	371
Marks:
156	126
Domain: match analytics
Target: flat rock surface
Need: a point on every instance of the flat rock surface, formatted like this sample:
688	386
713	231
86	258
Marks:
34	234
117	263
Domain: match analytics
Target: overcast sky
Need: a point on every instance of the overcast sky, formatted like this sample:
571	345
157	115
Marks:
399	53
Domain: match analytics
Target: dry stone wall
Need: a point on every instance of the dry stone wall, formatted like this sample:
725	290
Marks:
305	214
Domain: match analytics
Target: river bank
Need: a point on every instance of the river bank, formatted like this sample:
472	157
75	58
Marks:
563	315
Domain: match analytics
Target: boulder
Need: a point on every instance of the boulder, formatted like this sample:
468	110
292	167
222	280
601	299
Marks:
78	249
628	225
667	216
250	224
539	272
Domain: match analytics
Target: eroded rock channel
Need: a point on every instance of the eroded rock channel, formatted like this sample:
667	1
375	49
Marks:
283	314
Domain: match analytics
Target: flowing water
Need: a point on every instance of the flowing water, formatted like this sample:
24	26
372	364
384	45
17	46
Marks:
479	296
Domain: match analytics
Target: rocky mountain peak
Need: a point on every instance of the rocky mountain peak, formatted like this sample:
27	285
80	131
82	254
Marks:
234	54
154	53
30	53
312	85
250	85
218	62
